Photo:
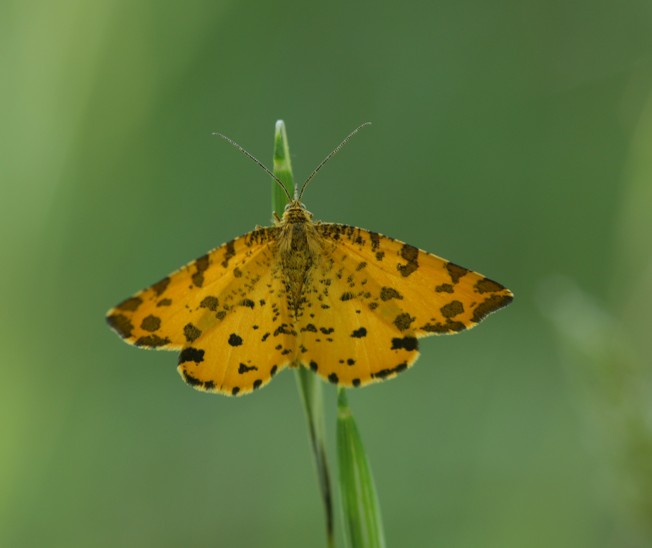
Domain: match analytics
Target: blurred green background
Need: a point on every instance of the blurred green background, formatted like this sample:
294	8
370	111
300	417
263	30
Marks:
511	137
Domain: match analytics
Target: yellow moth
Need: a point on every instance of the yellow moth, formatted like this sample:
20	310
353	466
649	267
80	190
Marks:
348	303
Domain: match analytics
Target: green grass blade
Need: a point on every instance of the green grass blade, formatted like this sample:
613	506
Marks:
310	387
282	168
363	526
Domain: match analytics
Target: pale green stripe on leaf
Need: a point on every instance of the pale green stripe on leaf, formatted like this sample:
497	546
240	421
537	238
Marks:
282	168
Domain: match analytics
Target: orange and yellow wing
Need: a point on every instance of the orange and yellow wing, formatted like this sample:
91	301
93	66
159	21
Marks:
224	311
242	350
372	297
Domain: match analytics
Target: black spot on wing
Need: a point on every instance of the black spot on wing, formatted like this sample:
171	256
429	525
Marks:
160	286
411	256
359	333
486	285
452	309
209	302
229	252
131	304
150	323
375	240
284	329
244	368
449	326
120	324
152	341
201	265
456	272
405	343
387	293
489	305
192	381
235	340
384	373
190	354
444	288
191	332
403	321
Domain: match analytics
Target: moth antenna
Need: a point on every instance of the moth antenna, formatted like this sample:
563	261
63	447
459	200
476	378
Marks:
335	151
256	160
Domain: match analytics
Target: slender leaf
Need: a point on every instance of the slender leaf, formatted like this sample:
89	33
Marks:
363	526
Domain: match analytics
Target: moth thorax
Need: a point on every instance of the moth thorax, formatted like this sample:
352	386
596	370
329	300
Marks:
296	213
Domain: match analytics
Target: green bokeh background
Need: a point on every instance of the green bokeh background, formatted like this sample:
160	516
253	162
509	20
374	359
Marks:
511	137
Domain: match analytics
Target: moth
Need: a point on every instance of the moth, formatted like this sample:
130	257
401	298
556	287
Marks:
348	303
